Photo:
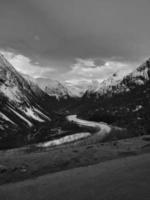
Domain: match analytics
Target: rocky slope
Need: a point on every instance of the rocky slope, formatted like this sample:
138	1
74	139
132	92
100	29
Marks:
60	90
53	88
116	84
22	105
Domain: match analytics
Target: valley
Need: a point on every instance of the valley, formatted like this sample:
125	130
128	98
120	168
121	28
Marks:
35	111
74	100
45	131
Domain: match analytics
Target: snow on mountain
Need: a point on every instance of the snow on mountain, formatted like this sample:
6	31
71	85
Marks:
22	117
93	86
18	97
12	93
53	88
141	74
3	116
30	112
118	84
75	90
78	89
58	89
33	84
123	101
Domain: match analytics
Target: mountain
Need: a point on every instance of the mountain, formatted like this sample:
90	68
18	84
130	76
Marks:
31	108
93	87
52	87
78	89
75	91
116	84
57	89
23	105
123	101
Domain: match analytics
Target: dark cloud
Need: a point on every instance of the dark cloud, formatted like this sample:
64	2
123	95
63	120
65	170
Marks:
59	31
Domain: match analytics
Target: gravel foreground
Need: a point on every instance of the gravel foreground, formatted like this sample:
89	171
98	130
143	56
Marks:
121	179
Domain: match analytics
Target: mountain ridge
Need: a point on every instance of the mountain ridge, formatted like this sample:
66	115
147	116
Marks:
22	105
125	103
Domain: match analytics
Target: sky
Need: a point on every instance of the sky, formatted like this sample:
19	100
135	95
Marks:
75	40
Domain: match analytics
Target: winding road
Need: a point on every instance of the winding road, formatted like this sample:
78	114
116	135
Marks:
103	130
103	127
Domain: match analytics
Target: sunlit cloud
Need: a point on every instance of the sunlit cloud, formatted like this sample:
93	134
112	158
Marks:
82	72
87	70
25	65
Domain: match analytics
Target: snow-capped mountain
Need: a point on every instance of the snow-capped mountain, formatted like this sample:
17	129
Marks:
20	101
78	89
53	87
105	86
122	101
93	87
28	105
75	90
118	84
58	89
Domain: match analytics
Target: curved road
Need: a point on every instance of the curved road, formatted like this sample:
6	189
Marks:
103	127
124	179
103	130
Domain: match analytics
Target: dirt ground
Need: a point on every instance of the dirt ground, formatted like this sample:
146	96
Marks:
31	162
120	179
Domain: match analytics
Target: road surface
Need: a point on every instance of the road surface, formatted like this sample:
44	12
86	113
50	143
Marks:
103	130
122	179
103	127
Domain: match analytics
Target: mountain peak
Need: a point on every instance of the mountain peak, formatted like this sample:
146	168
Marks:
117	83
4	63
21	103
145	65
2	57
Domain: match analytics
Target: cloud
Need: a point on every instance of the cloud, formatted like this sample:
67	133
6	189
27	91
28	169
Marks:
25	65
87	70
68	29
86	62
82	72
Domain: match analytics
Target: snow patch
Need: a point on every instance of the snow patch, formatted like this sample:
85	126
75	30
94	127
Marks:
6	118
23	118
52	87
11	92
30	113
63	140
139	73
42	114
139	107
139	82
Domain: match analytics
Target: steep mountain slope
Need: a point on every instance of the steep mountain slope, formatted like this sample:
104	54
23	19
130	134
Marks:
75	91
124	102
117	84
61	90
78	89
22	104
53	88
